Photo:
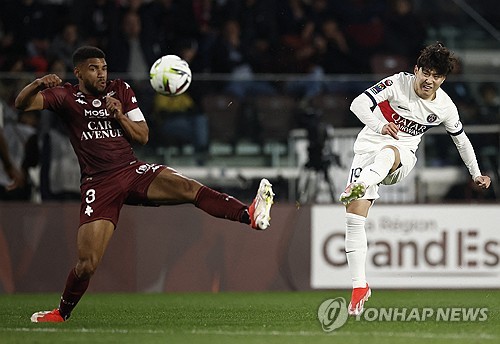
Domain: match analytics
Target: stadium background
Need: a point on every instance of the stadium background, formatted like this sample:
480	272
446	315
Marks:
279	109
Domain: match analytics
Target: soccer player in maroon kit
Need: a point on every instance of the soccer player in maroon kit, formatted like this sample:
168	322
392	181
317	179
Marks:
103	117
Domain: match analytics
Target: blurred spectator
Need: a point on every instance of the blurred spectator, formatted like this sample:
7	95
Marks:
8	168
7	47
13	82
296	30
404	32
59	168
96	20
179	120
26	20
361	21
64	44
22	144
159	30
59	172
462	94
127	53
488	103
231	56
37	59
259	30
336	55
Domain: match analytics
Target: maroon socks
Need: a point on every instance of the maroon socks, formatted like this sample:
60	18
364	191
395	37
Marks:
73	292
221	205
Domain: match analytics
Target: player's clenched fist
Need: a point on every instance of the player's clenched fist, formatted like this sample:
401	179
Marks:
483	181
50	80
114	106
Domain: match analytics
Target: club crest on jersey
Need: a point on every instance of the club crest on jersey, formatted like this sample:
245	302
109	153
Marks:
432	118
96	103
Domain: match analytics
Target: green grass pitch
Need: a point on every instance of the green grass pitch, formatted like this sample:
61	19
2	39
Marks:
268	317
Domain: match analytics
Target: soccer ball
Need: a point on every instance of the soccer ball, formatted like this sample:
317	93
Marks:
170	75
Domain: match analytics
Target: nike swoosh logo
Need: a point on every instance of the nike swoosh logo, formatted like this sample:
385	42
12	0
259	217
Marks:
403	108
378	174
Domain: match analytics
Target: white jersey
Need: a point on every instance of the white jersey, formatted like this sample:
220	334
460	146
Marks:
394	100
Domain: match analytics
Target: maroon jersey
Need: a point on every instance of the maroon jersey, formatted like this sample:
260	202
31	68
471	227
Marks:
97	138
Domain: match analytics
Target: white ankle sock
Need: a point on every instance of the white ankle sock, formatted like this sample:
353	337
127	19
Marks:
356	247
379	169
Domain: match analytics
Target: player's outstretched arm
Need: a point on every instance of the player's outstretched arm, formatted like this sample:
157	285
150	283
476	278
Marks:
30	99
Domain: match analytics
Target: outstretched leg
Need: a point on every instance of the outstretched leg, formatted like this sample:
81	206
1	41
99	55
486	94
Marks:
171	187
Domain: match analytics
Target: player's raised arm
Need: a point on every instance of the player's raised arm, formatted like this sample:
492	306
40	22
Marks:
30	99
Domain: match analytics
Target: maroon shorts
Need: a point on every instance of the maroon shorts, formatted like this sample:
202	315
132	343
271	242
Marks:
104	196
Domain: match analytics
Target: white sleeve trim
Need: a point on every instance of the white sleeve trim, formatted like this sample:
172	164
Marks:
467	154
135	115
361	106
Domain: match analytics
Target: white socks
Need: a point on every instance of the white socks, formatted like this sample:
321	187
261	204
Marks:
379	169
356	246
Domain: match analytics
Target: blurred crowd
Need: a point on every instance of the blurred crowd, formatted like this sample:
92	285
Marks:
236	38
271	36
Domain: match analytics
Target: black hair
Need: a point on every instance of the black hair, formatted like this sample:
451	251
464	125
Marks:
438	58
87	52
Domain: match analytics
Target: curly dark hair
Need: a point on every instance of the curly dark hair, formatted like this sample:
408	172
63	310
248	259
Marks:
438	58
87	52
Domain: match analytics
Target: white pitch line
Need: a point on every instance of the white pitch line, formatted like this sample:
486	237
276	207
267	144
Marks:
341	333
82	330
318	333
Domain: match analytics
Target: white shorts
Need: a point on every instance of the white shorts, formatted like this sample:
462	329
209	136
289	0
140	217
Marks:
360	161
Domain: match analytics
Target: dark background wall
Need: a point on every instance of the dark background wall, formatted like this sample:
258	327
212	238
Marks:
176	248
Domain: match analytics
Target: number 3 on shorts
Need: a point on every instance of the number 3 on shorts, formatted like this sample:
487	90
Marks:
90	196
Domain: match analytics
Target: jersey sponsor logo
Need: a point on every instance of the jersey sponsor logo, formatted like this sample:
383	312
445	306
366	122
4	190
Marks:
96	113
100	130
134	100
404	124
96	103
80	101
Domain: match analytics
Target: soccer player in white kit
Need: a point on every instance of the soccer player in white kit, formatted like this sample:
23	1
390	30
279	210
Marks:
396	112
